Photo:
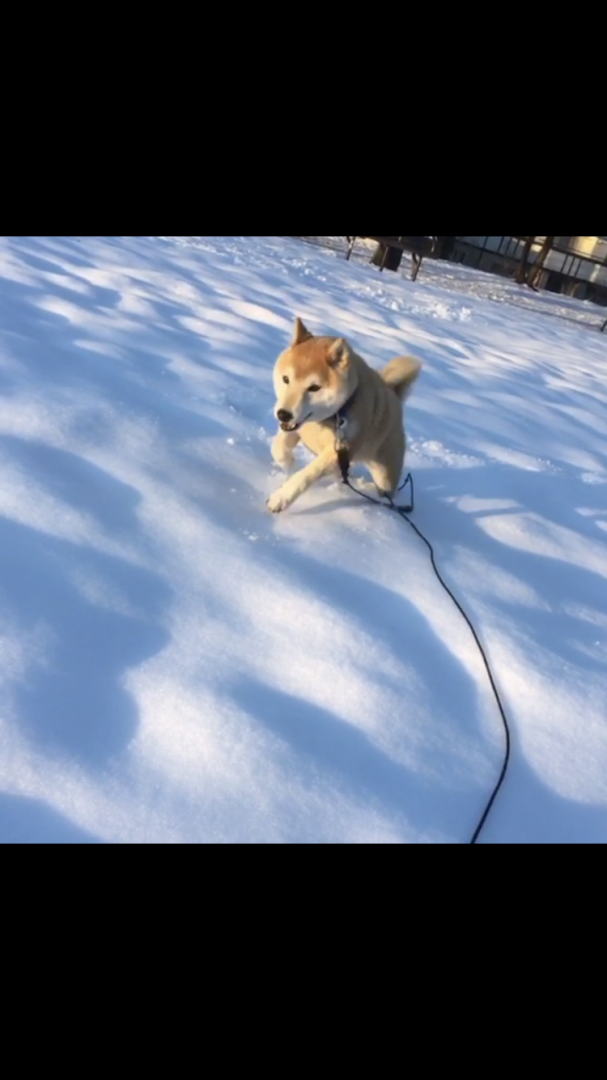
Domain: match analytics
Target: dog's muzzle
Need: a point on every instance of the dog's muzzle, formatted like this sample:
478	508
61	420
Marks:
285	419
287	422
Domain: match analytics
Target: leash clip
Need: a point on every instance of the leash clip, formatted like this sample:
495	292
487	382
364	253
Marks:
341	447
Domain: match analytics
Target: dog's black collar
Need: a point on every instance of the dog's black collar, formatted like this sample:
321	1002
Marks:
340	418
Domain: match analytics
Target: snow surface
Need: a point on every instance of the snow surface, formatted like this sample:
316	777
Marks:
180	666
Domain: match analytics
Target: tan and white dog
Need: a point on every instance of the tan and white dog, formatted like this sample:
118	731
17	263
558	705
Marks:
320	383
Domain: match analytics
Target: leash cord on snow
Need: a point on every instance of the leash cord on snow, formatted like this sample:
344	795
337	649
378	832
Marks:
404	512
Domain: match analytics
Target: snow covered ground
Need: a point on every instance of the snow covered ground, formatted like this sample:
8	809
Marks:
179	666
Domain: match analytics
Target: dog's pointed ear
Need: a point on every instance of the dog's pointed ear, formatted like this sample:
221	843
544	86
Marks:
338	355
301	333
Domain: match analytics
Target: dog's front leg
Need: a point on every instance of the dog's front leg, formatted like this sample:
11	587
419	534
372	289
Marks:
283	446
302	480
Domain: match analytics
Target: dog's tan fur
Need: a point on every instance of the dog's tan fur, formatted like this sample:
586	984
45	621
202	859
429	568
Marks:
375	429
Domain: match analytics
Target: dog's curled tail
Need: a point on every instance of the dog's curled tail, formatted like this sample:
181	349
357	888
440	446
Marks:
401	374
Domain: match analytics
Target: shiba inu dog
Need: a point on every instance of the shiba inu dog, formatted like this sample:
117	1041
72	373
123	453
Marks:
326	391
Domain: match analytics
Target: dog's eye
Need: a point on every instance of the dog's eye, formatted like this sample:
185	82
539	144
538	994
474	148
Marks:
314	389
285	378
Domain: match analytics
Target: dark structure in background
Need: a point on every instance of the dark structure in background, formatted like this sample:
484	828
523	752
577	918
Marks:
575	266
389	252
572	265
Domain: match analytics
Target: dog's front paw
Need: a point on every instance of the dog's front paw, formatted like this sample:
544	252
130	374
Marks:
284	461
278	501
282	454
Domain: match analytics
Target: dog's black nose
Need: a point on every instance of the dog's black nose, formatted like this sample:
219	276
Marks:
284	416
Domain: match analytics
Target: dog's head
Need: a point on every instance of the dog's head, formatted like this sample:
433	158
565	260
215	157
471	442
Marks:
313	379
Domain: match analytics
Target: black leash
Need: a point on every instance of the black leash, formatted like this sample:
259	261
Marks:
343	457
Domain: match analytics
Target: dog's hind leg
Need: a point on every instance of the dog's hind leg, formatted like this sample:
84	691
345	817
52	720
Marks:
384	478
388	464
